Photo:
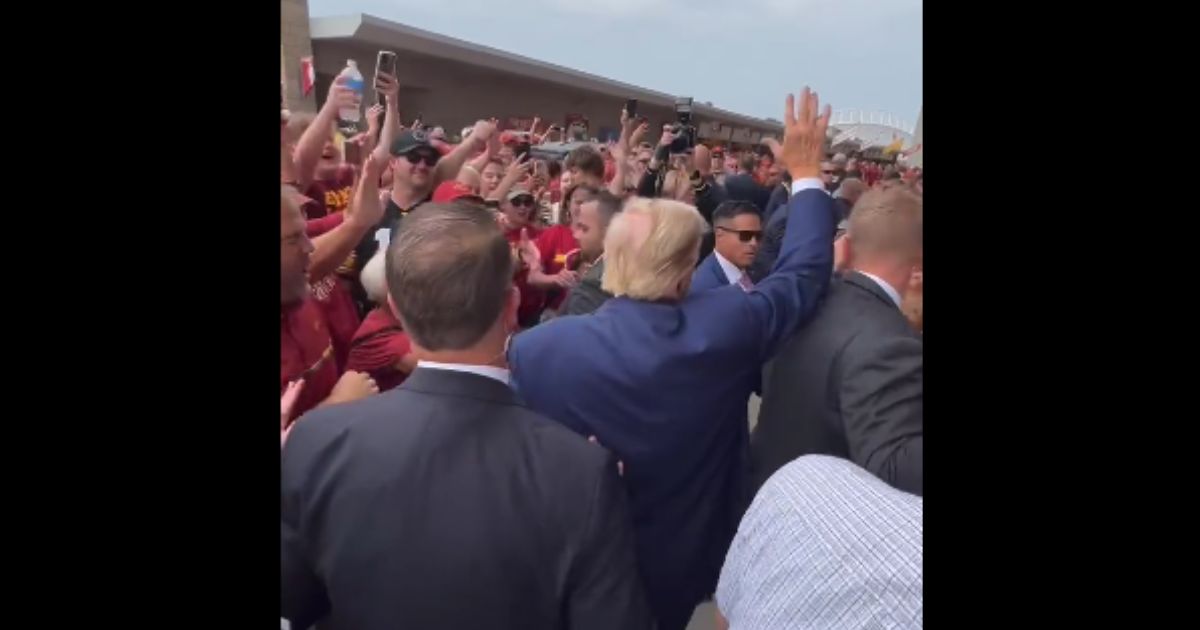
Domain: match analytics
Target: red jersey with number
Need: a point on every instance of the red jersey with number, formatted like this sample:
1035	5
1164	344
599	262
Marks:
330	195
556	244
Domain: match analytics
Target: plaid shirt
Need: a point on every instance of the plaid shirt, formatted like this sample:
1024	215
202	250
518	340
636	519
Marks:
825	545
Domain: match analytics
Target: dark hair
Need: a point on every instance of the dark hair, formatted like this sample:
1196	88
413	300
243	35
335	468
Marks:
607	204
591	191
449	270
586	159
730	209
553	169
748	161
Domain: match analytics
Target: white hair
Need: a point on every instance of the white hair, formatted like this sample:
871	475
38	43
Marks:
374	278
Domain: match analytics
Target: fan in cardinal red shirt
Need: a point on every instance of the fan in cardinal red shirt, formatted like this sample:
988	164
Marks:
306	348
518	210
559	251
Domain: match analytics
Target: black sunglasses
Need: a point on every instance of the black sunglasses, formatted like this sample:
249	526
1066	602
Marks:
415	157
824	172
523	200
744	235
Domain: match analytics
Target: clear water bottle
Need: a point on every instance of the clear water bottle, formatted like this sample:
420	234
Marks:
354	81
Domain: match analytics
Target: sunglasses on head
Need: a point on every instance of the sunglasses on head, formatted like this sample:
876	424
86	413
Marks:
744	236
523	200
416	157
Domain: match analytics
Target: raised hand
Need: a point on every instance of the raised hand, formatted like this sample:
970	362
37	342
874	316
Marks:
519	168
483	130
668	136
635	138
803	136
389	87
340	96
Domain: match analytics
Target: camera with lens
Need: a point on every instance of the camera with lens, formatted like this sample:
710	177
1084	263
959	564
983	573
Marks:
683	128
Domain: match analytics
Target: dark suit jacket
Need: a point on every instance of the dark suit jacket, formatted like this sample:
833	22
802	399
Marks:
709	275
849	384
665	387
445	503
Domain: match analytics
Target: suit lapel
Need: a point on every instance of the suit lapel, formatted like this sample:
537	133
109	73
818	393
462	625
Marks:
459	385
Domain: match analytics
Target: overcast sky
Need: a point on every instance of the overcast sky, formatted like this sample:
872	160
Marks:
859	54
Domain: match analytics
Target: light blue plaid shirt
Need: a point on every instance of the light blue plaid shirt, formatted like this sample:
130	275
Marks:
825	546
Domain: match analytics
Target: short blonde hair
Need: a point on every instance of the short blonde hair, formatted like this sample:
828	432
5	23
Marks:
651	245
887	221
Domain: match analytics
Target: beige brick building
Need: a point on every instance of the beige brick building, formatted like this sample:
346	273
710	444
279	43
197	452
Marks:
452	83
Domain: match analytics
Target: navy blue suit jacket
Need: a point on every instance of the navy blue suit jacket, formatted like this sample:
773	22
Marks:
664	386
709	275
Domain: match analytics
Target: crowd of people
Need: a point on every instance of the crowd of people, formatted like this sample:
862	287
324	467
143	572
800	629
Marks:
514	391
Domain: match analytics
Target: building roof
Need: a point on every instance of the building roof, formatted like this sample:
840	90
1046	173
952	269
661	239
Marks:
392	35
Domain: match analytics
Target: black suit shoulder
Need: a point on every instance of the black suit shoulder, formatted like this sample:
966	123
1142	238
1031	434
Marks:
847	384
403	505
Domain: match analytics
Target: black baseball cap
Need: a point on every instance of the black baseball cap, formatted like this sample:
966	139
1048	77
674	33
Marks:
409	140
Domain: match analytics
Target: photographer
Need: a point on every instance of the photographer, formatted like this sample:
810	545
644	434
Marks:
684	177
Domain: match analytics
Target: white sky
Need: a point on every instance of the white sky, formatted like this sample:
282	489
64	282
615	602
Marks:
742	56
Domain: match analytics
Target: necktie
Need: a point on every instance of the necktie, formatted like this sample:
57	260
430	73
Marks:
745	282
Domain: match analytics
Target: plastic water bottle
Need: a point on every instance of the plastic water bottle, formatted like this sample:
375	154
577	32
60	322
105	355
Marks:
354	81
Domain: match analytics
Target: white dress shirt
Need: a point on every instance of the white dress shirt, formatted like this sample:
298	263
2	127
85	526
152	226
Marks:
732	273
807	183
887	288
499	374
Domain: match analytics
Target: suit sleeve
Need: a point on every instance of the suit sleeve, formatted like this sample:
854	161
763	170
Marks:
790	293
303	600
882	409
606	589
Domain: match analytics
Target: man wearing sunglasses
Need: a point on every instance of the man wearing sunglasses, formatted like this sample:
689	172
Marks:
738	232
519	209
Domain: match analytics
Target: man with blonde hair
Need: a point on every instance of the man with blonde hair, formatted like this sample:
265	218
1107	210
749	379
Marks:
850	384
661	376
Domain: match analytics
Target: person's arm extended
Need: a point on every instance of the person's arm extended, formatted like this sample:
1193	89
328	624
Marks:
516	171
790	293
606	589
312	141
882	405
331	248
390	88
448	167
620	155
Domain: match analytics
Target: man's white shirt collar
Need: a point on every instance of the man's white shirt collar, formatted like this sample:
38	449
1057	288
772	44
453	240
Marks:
492	372
732	273
887	288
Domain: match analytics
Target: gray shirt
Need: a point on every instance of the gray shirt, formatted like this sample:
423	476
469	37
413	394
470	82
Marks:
825	546
587	296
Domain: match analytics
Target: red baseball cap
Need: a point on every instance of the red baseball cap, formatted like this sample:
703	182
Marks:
454	191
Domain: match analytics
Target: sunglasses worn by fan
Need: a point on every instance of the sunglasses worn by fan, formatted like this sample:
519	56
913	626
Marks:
744	235
416	157
523	200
